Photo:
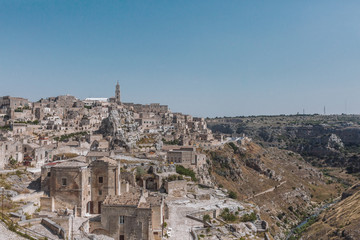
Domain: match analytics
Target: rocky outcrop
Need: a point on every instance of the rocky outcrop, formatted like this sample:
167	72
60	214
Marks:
335	143
121	127
351	191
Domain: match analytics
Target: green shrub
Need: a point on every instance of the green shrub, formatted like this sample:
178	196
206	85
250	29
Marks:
206	218
139	172
12	161
228	216
18	173
249	217
234	147
172	178
232	195
186	171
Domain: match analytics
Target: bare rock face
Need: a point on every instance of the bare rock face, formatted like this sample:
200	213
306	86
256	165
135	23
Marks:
122	128
335	142
255	164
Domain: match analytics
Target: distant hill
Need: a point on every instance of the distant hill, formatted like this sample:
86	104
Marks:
323	140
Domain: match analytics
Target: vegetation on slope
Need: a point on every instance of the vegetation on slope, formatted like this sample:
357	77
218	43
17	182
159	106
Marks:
280	182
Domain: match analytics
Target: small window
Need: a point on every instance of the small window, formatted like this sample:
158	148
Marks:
122	219
89	181
64	181
101	180
100	192
6	147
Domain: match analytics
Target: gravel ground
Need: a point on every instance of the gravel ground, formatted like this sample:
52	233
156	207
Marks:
6	234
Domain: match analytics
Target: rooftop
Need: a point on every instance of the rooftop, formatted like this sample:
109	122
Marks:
71	164
110	161
97	154
154	200
125	199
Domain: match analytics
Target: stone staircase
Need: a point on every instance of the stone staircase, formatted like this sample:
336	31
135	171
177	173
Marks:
261	225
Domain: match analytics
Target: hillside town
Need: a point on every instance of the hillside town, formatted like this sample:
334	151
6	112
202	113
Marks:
100	168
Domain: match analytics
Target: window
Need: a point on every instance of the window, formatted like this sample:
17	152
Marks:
49	174
64	181
121	219
89	181
100	179
100	192
6	147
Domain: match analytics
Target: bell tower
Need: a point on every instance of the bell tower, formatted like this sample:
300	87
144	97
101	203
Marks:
117	93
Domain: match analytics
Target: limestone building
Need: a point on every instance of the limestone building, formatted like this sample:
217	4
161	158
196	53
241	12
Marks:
76	184
186	156
133	216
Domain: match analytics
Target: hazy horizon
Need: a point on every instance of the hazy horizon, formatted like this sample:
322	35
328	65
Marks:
208	59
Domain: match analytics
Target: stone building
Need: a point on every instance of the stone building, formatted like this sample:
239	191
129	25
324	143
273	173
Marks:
99	145
177	188
133	216
145	108
76	184
10	150
8	104
70	187
104	177
19	129
37	155
149	122
95	155
186	156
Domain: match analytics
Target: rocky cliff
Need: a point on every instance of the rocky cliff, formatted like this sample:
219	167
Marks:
322	140
122	129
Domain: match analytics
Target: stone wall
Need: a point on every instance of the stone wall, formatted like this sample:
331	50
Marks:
108	185
47	204
54	228
176	188
137	222
75	193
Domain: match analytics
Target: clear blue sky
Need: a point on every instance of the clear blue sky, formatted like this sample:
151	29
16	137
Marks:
205	58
